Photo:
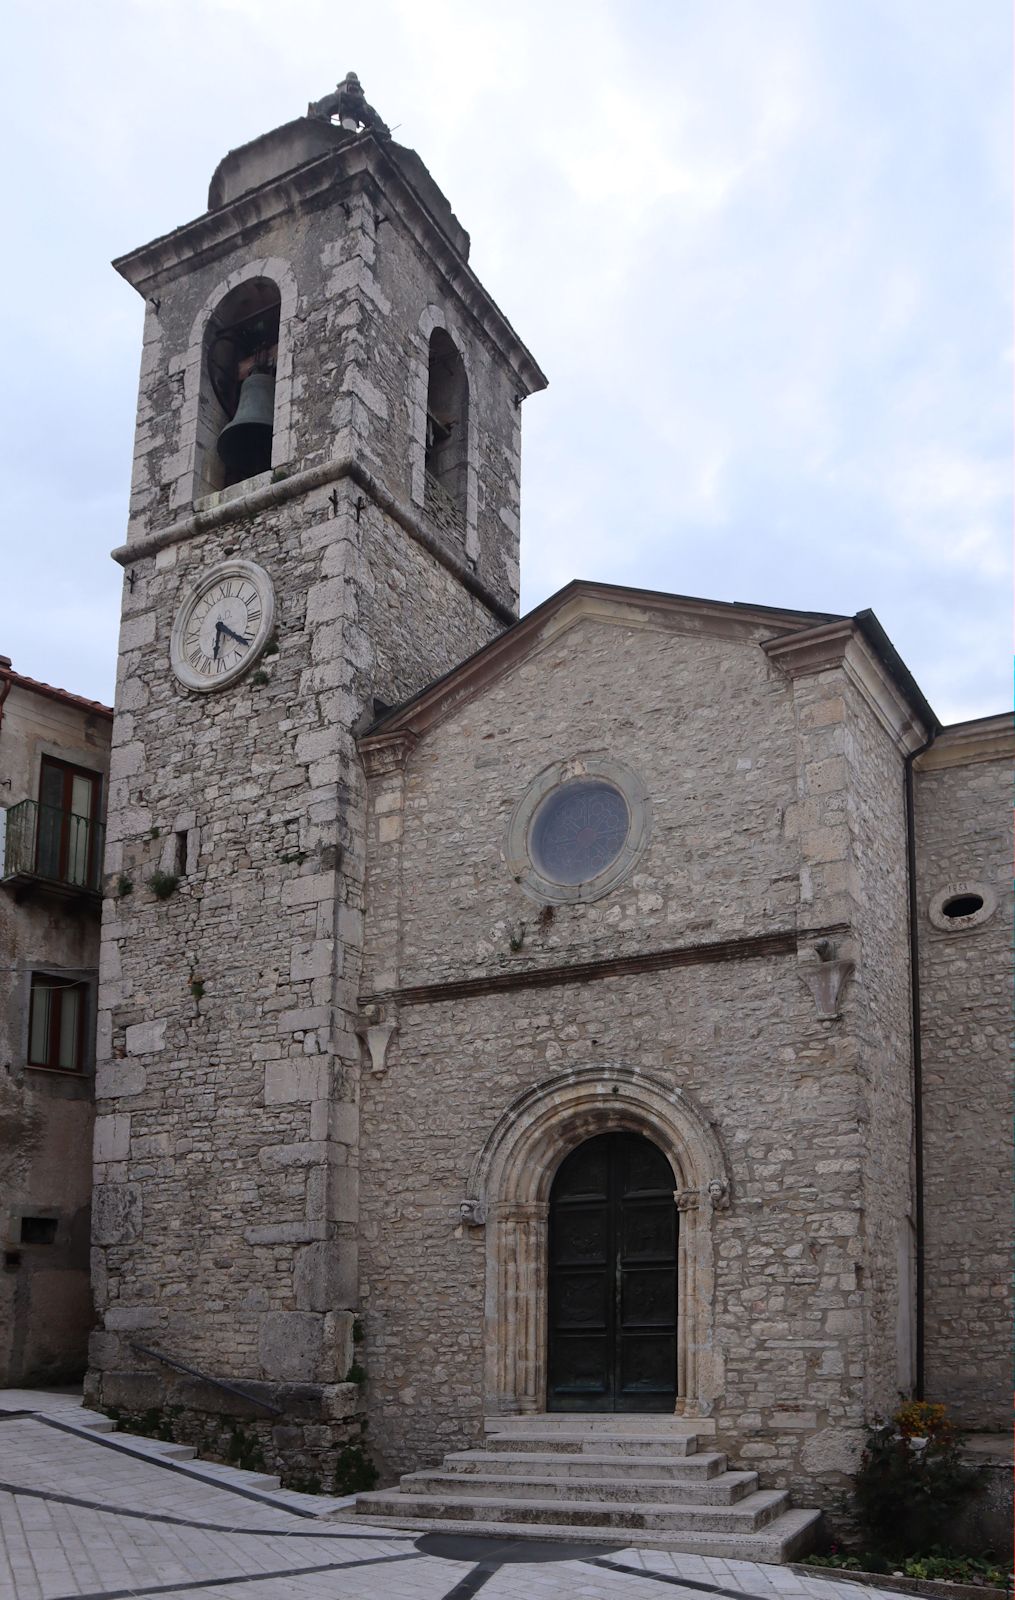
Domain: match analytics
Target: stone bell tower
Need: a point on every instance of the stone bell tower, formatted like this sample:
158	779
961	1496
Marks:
323	517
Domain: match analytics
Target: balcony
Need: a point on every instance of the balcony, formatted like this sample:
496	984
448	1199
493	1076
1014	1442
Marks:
51	851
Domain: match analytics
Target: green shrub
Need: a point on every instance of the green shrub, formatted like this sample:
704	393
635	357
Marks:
163	884
355	1473
911	1479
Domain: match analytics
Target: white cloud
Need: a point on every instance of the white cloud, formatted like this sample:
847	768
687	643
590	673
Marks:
761	250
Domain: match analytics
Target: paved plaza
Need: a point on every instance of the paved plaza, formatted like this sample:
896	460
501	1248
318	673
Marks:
101	1516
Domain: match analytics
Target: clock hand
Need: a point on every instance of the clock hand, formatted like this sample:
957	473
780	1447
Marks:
237	636
218	640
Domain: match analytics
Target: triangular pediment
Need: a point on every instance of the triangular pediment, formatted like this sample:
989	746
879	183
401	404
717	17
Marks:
580	604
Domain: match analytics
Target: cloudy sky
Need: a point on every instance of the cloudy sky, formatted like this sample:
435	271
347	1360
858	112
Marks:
760	247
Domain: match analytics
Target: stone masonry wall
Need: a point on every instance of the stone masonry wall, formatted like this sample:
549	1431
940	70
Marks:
224	1158
227	1143
963	802
352	368
749	777
877	823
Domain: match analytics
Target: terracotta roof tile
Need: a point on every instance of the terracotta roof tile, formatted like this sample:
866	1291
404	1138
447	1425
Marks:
35	686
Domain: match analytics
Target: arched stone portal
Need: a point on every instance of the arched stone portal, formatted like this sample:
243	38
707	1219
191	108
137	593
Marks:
512	1179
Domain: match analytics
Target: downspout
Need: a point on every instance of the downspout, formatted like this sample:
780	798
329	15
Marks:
8	683
914	990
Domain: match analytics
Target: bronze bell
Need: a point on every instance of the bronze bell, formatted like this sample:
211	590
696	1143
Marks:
245	443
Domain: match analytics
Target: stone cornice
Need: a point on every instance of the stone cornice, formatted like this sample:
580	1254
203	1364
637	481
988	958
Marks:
267	495
965	744
366	159
811	649
843	645
751	947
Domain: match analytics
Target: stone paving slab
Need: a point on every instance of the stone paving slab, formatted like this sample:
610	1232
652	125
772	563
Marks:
81	1519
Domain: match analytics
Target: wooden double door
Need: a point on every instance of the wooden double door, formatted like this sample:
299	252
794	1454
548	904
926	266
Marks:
613	1278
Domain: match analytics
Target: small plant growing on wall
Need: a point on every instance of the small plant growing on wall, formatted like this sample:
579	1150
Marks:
163	884
124	886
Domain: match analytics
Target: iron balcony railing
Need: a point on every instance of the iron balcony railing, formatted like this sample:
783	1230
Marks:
53	846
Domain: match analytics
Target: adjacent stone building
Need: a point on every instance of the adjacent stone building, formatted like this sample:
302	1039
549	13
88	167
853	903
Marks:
54	757
552	1042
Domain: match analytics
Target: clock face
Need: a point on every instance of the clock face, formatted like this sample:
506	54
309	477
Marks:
222	626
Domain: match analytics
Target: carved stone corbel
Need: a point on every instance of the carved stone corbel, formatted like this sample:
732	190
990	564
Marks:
375	1030
824	972
716	1195
472	1213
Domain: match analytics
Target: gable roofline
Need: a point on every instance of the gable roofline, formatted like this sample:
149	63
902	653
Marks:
583	597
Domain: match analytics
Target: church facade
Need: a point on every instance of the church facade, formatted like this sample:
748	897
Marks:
615	1026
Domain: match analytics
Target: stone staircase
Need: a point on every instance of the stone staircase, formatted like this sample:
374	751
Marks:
623	1480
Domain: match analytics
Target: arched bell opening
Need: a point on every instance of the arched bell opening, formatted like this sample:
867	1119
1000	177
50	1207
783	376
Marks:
237	405
612	1278
447	432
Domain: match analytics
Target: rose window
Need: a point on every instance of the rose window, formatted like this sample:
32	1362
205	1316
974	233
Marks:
579	830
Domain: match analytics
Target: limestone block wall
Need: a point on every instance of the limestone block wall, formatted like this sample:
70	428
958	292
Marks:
742	1042
225	1204
766	791
704	721
854	730
227	1142
361	291
883	1021
962	802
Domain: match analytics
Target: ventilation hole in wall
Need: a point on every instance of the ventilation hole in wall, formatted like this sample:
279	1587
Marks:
962	905
180	865
12	1258
38	1230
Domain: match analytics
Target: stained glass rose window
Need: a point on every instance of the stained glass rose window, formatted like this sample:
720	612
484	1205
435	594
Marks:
579	830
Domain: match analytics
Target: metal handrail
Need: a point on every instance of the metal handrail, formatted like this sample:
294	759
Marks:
219	1383
52	844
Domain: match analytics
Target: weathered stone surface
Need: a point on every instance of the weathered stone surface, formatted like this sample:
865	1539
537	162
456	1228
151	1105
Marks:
962	793
289	1344
117	1213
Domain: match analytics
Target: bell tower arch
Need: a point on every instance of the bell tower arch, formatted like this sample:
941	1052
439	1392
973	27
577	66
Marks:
286	569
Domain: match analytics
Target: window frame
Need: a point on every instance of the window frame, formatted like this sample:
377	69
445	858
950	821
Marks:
70	771
59	983
526	869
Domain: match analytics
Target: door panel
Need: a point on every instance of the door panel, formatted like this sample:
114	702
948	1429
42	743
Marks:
613	1278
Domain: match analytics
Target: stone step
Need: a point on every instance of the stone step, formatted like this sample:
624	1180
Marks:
615	1444
605	1422
725	1490
235	1477
586	1462
785	1538
748	1515
160	1449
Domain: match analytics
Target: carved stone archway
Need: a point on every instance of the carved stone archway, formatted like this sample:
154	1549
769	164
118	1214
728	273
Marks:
511	1181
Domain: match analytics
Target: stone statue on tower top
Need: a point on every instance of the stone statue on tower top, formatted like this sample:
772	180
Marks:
350	106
